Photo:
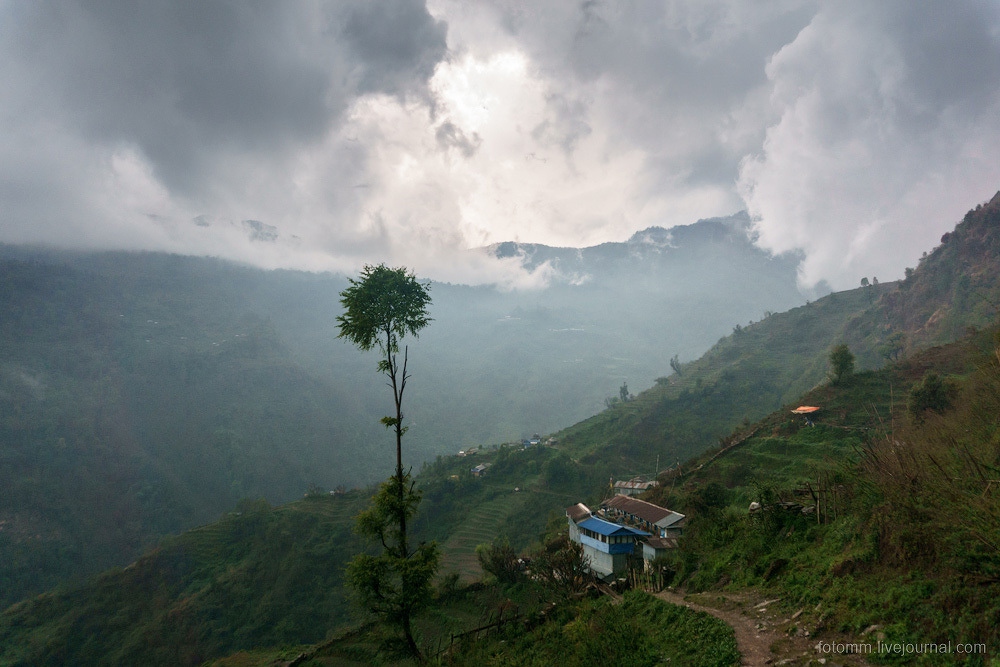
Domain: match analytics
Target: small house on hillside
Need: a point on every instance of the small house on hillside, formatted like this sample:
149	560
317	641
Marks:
660	521
607	546
480	469
634	486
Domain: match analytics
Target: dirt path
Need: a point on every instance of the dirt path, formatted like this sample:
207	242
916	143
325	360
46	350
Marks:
765	635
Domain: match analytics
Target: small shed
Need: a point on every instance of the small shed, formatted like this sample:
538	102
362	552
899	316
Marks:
634	486
654	547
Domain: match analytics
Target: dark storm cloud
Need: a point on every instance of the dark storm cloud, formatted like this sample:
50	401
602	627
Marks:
194	83
395	44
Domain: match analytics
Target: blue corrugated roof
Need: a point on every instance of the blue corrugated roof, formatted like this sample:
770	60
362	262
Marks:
602	527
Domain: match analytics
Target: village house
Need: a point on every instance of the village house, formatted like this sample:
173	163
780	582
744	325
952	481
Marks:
626	528
633	487
659	521
576	514
607	546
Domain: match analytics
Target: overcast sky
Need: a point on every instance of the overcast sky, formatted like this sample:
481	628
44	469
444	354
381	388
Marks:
325	135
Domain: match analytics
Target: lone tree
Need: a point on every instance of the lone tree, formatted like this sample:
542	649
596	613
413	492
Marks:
380	309
841	363
933	393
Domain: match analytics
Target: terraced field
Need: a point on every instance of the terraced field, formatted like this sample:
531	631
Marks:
480	527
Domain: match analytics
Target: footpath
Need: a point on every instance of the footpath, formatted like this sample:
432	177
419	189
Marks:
767	635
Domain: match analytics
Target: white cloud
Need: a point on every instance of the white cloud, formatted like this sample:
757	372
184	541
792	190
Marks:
874	155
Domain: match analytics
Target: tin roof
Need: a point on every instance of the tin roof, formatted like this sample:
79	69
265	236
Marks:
662	542
578	512
602	527
646	511
635	484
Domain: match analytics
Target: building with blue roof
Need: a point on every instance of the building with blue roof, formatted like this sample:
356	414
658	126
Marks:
607	546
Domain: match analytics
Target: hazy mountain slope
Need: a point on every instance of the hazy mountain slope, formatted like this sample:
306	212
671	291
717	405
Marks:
124	417
955	286
764	364
743	377
257	577
143	393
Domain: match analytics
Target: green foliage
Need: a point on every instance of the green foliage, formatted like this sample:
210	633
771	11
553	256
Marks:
841	363
560	566
384	521
382	307
395	589
500	560
893	346
932	393
641	630
379	310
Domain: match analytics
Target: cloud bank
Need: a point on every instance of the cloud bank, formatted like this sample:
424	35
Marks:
326	135
885	115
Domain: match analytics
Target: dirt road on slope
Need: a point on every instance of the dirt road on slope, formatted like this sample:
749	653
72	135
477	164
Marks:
765	635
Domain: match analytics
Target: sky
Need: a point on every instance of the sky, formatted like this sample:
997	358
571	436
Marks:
327	135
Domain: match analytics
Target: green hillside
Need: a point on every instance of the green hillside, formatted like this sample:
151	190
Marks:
902	535
765	364
258	577
133	410
901	526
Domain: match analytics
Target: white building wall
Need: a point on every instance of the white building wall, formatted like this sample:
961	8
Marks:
601	564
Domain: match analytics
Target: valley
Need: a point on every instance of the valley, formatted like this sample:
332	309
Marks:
901	551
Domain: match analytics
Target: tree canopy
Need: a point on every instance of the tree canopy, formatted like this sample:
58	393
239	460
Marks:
841	362
381	307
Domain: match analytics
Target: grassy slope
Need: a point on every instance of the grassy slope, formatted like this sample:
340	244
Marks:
905	558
